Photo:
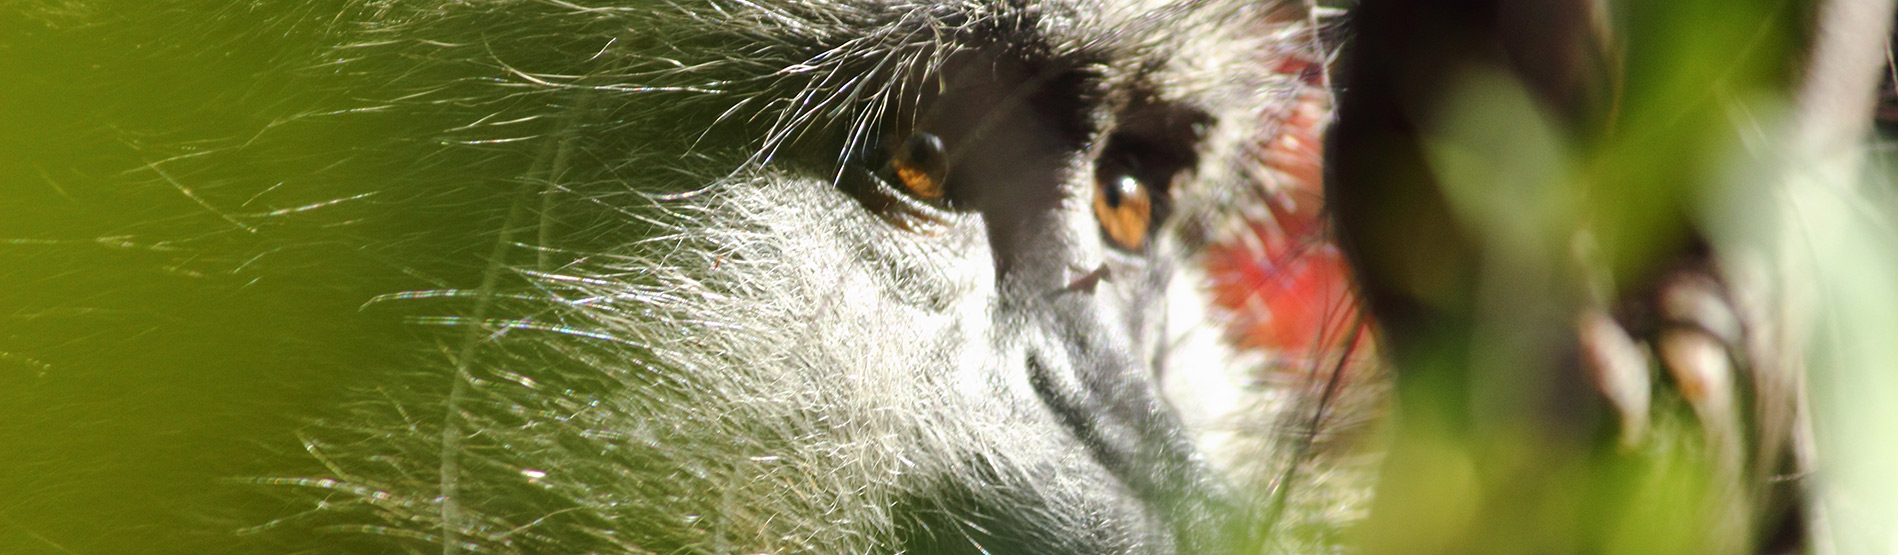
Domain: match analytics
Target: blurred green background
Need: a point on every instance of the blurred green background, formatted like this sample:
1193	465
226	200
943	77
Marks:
189	240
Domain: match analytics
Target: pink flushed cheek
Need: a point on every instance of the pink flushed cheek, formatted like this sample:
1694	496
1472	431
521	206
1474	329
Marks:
1283	280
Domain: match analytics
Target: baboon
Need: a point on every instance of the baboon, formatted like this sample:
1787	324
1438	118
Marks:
639	276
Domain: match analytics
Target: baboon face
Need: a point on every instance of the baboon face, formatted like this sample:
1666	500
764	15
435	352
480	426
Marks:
866	276
650	277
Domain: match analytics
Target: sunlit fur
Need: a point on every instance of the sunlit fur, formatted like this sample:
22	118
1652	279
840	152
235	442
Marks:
651	319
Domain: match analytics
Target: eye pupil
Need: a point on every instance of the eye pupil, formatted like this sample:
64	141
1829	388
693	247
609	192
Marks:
1119	189
922	149
921	165
1124	208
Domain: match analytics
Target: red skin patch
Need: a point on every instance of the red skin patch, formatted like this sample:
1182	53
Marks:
1283	281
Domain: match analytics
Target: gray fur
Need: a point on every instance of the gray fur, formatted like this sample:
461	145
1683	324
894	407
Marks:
640	313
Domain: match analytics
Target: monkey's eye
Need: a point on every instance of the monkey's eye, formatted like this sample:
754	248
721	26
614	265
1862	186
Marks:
1135	174
921	165
1123	204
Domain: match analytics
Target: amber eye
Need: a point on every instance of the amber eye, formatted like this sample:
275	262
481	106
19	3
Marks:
921	165
1124	207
